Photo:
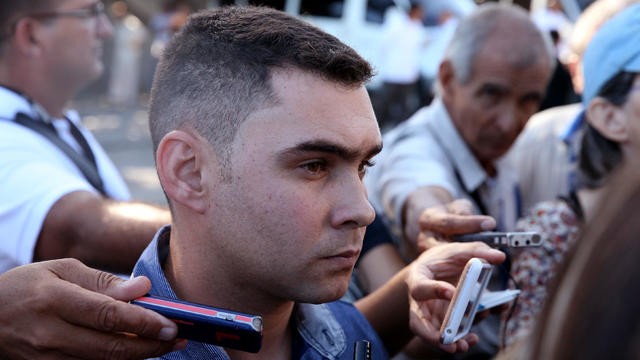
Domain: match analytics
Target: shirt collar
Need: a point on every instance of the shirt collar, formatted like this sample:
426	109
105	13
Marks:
316	324
569	135
319	328
150	265
455	148
12	103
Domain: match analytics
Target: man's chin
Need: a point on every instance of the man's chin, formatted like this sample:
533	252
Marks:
330	294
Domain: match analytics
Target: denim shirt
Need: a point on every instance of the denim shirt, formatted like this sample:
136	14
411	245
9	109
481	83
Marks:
323	331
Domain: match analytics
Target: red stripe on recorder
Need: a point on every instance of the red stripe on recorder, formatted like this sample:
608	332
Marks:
180	306
220	335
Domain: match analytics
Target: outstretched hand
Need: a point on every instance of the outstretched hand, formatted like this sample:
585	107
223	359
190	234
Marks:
430	283
439	223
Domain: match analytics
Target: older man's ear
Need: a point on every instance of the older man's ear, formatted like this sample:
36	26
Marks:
181	159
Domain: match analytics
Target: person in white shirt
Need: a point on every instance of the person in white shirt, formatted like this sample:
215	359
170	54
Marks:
492	79
60	194
403	39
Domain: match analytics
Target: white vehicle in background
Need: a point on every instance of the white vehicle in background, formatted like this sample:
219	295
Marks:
359	23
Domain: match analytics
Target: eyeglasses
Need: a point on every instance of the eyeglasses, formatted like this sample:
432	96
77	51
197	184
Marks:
94	10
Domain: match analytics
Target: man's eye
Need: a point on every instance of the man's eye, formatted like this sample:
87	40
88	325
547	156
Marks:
314	167
490	92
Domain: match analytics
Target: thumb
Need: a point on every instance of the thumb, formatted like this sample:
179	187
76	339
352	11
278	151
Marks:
127	290
76	272
452	224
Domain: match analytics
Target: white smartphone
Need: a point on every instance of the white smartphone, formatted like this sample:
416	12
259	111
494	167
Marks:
470	297
463	305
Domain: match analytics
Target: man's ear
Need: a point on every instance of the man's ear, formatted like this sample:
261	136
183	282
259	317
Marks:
446	76
180	160
26	37
608	119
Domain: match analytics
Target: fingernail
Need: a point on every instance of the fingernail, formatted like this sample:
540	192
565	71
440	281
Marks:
179	345
448	294
167	333
129	281
487	225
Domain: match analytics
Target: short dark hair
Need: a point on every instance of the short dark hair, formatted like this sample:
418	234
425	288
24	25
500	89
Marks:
216	71
599	156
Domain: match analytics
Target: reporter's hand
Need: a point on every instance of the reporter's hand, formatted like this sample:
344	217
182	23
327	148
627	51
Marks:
439	223
62	309
430	283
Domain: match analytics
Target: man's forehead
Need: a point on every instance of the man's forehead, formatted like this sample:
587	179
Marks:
309	108
494	69
72	3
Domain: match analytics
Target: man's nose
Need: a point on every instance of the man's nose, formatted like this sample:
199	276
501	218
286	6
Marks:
352	207
508	122
105	29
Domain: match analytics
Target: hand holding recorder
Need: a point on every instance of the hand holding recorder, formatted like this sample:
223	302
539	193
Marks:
439	224
64	309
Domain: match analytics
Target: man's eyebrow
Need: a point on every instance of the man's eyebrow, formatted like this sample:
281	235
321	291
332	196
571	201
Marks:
330	147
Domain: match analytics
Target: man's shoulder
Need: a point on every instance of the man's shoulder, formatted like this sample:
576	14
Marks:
15	133
23	148
16	140
552	122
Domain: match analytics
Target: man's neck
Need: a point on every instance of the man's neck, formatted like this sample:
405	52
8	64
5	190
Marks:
277	339
37	88
222	291
489	167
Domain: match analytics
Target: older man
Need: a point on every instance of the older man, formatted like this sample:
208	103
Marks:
61	195
263	131
491	81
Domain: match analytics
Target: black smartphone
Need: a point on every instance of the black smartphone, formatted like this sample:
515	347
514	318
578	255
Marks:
503	239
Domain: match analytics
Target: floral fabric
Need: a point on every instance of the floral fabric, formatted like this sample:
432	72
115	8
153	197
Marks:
533	268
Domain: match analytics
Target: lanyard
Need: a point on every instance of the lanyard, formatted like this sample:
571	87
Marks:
85	162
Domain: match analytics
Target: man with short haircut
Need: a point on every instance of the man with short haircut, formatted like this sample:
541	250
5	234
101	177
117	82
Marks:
263	130
61	195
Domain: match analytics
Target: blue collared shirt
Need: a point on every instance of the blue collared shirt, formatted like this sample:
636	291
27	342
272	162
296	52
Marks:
324	331
572	137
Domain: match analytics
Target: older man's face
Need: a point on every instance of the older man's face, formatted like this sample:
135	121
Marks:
290	222
73	40
492	107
